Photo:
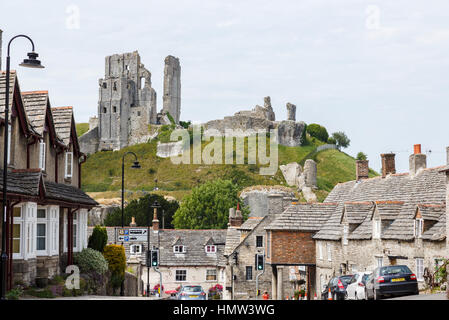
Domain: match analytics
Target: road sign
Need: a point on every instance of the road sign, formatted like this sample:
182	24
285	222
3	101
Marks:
132	234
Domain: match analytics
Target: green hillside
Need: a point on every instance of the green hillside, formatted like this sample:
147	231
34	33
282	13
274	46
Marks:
81	128
101	174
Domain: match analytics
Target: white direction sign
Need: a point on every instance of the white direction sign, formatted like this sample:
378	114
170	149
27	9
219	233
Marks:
132	235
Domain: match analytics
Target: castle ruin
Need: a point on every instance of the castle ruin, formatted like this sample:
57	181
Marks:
127	103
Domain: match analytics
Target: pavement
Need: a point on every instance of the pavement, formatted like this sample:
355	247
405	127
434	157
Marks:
92	297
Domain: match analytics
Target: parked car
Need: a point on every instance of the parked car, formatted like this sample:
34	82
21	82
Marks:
391	281
191	293
338	287
356	287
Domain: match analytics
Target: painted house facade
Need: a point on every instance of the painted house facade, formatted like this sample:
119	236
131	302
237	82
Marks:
46	210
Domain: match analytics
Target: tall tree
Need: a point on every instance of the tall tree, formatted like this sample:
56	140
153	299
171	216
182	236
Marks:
207	207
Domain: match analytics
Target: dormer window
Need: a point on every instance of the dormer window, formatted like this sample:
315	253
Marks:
211	249
42	156
179	249
419	227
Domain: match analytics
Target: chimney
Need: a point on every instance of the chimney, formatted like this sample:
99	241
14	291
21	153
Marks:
361	169
155	221
388	164
133	222
417	160
235	217
231	216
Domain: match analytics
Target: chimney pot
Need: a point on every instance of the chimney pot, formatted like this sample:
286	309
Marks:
388	164
417	149
361	169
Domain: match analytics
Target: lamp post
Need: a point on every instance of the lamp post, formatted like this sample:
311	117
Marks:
155	205
31	62
135	165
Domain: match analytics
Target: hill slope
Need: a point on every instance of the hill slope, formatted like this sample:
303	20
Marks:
101	174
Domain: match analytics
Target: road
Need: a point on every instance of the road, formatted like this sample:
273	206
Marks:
436	296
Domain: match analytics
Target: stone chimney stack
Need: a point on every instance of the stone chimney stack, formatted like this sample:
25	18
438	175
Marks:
417	160
235	217
133	222
291	111
388	164
361	169
275	203
155	220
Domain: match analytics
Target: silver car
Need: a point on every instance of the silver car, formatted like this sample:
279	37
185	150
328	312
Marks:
191	293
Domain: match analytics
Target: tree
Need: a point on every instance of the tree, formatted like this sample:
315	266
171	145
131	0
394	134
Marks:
341	138
98	239
317	131
361	156
331	141
141	209
207	207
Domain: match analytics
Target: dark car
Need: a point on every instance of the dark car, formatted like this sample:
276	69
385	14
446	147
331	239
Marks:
391	281
338	288
191	293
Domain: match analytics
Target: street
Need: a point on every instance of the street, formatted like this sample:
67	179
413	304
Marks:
436	296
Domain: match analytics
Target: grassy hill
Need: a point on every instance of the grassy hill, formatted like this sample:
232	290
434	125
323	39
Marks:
101	174
81	128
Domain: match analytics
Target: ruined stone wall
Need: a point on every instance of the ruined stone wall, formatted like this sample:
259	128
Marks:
258	198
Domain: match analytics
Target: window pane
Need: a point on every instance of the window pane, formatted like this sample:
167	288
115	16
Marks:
16	231
41	229
41	213
16	246
17	212
40	243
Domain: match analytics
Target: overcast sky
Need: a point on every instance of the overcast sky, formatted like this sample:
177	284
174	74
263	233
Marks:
377	70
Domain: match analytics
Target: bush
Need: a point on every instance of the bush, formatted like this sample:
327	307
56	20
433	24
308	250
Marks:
115	256
361	156
98	239
14	294
317	131
90	260
44	293
331	141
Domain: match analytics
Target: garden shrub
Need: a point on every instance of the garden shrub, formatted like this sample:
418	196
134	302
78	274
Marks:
14	294
317	131
90	260
98	239
115	256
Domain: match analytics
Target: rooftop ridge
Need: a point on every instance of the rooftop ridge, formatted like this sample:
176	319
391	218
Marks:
425	205
26	170
358	202
61	108
389	202
34	92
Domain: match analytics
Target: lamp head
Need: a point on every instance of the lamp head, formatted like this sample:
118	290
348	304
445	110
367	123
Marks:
136	165
31	62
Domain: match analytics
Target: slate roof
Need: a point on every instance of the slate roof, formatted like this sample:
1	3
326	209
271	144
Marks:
194	241
62	118
12	82
250	223
431	212
232	240
22	182
356	212
303	217
68	193
428	186
35	104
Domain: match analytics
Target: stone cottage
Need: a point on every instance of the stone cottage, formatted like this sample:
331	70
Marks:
386	220
46	209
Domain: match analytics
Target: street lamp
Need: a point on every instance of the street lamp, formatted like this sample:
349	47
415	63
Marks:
135	165
31	62
155	205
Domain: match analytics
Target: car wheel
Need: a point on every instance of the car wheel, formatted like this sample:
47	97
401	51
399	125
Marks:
346	295
356	297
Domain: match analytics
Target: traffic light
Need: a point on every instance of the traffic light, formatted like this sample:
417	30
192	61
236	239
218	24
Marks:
154	258
148	258
260	262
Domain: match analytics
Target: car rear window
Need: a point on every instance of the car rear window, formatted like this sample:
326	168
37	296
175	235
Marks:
192	289
346	279
385	271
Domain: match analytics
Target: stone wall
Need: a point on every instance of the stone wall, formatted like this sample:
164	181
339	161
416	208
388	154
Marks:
257	198
172	88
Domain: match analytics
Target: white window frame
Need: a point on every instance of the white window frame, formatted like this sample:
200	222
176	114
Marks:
78	235
345	234
212	248
42	221
134	252
67	173
420	269
181	271
214	272
9	145
377	224
53	216
42	155
379	262
329	252
419	227
19	221
177	247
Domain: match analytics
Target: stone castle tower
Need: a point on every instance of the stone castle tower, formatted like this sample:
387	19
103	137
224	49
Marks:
172	88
